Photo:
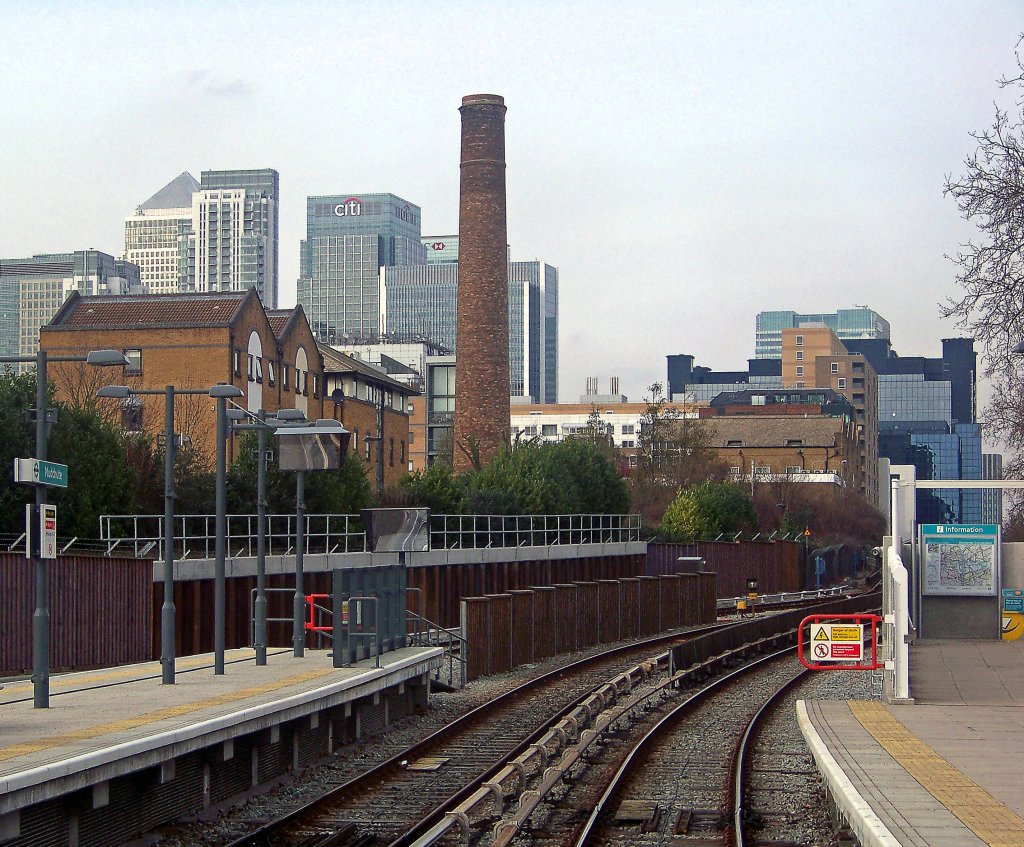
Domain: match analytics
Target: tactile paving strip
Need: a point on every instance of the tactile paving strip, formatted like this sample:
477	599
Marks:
979	811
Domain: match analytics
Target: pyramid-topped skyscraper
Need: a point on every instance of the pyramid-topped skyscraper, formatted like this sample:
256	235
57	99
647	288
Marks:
156	237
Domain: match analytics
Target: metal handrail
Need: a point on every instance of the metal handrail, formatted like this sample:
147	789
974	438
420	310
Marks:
194	535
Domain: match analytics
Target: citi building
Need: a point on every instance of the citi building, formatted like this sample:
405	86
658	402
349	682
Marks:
349	238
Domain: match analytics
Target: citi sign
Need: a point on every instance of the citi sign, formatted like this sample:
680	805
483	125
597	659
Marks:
349	207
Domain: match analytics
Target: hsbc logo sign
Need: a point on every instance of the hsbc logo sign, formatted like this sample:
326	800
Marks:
350	207
437	245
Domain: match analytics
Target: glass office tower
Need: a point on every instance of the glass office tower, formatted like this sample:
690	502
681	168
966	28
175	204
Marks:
419	301
927	418
33	289
860	322
349	238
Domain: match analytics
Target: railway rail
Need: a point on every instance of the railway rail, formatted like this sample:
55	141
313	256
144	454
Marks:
484	776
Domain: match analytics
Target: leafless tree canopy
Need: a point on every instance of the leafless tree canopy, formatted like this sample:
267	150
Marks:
990	268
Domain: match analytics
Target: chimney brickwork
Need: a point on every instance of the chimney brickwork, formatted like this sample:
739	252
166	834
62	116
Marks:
482	371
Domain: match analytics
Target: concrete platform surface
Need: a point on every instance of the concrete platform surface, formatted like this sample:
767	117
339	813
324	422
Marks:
941	772
107	722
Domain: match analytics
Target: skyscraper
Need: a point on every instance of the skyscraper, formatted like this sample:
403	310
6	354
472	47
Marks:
860	322
235	232
156	237
349	238
220	234
420	301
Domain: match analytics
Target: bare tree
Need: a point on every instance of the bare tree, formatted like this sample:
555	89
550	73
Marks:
990	269
673	452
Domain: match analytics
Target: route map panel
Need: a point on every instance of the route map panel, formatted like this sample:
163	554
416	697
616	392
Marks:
960	559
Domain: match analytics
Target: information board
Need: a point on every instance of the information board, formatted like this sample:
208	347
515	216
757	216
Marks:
960	559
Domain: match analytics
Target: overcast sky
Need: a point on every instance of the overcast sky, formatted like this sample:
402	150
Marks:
684	165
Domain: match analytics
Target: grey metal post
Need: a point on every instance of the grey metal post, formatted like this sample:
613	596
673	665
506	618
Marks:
41	616
299	608
167	610
380	443
261	543
221	530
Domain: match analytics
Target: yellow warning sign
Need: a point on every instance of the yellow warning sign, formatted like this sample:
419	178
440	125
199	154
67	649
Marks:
846	633
822	635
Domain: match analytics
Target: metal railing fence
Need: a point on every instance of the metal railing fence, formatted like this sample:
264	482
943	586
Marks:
194	536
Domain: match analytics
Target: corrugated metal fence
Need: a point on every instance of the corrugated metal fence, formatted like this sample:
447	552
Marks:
776	565
100	611
503	631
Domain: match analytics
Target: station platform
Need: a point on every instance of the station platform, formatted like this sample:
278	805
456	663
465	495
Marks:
118	737
941	772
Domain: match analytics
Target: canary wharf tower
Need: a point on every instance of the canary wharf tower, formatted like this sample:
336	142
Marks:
349	238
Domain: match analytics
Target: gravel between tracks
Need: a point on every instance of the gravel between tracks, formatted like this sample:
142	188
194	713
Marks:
216	827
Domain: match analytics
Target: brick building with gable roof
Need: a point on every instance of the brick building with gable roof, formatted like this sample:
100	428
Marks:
190	341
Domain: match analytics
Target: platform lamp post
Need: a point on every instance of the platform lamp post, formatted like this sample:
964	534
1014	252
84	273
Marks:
41	615
260	423
167	625
221	392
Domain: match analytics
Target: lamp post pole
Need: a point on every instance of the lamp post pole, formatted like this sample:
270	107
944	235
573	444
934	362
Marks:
167	610
261	542
221	541
299	606
41	615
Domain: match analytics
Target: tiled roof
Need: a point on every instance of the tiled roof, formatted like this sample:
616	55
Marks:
279	320
149	310
762	431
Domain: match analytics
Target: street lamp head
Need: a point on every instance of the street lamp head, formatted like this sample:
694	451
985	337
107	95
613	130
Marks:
116	392
290	415
1018	347
106	358
225	390
238	414
329	425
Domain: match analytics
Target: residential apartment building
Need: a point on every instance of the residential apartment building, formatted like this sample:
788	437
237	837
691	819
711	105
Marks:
374	409
815	357
190	341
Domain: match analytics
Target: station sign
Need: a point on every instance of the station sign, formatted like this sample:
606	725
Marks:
831	642
40	472
40	531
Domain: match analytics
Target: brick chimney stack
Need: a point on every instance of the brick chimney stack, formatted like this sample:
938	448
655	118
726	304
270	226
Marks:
481	332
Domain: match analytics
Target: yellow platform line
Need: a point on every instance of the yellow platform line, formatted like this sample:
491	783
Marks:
141	671
992	821
135	721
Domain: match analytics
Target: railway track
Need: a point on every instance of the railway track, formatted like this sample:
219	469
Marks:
490	776
400	794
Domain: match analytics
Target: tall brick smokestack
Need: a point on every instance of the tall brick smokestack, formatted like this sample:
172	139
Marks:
482	373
